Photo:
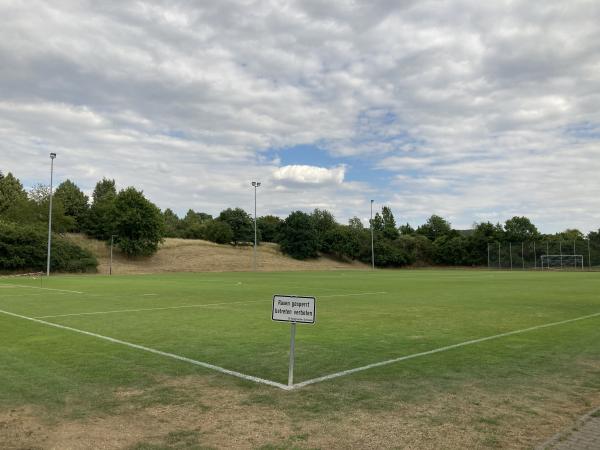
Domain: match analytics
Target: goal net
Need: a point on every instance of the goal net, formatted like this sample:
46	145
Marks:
558	262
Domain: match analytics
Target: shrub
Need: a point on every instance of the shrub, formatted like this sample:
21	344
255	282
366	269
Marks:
24	247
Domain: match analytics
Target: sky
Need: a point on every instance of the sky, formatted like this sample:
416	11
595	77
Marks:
472	110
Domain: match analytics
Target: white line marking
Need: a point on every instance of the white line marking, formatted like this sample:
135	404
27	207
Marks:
116	311
93	313
351	295
437	350
156	352
46	289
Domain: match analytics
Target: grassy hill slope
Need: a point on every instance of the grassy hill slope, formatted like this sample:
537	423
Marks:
190	255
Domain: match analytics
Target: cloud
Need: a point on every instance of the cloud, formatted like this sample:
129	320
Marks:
465	108
309	174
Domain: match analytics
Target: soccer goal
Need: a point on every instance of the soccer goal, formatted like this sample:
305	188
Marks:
558	262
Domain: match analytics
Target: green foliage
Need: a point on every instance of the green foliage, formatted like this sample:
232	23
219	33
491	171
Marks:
75	203
100	219
377	223
389	224
389	253
218	231
342	242
241	224
173	224
11	192
406	229
323	222
519	229
299	238
488	232
436	227
355	223
193	224
138	223
269	228
24	247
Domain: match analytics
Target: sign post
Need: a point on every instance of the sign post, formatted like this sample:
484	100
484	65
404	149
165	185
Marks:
293	309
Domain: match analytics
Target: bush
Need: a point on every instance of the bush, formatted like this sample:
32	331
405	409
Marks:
298	236
138	223
219	232
24	248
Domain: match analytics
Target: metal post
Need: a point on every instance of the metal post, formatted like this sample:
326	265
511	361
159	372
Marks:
589	255
499	263
256	184
560	249
574	252
372	246
510	251
534	256
52	156
292	352
488	250
523	255
112	238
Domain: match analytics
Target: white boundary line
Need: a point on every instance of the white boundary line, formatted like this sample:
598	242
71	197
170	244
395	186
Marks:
116	311
156	352
437	350
313	380
46	289
350	295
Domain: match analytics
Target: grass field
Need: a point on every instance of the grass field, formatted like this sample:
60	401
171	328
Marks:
473	394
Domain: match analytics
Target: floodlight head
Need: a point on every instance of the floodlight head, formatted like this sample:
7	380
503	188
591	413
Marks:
372	201
52	155
256	183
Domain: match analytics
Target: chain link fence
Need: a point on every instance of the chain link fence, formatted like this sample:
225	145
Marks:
528	255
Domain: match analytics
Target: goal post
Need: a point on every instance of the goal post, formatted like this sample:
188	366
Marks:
564	262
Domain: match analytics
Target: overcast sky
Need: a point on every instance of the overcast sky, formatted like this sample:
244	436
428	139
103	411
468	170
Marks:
473	110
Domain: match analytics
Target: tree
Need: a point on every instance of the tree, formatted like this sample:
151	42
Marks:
36	210
356	224
377	223
193	224
105	189
138	223
571	234
519	229
269	227
342	242
99	222
298	236
389	224
435	227
488	232
218	231
406	229
241	224
323	222
172	223
75	202
11	192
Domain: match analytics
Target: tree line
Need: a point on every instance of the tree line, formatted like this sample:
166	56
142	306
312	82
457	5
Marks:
139	226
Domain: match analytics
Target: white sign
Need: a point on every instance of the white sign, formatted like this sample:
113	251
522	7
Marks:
290	308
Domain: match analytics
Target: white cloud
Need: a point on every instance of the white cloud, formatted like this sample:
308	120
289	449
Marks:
309	174
470	108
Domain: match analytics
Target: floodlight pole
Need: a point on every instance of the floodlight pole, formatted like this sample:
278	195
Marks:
255	184
292	354
52	156
112	240
488	254
372	240
534	256
523	254
510	253
589	254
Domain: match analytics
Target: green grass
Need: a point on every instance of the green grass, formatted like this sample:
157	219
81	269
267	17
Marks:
420	311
